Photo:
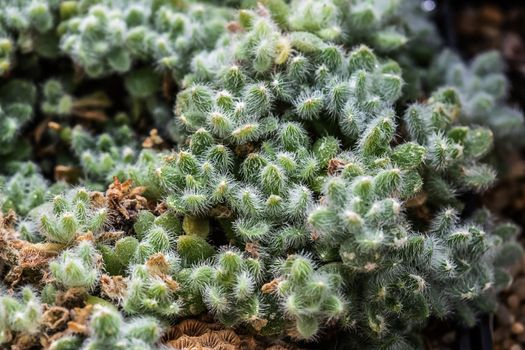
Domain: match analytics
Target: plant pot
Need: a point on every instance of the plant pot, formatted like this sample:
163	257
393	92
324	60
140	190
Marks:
477	338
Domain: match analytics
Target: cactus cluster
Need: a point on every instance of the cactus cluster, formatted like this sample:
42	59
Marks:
310	177
16	110
72	214
76	268
22	314
23	190
109	37
27	26
104	155
108	329
483	89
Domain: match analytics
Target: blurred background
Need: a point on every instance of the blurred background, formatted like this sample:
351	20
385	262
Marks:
471	27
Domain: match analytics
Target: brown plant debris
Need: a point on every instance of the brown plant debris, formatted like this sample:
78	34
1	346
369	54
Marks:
80	317
271	286
55	318
67	173
71	298
22	261
335	166
153	140
124	202
113	287
194	334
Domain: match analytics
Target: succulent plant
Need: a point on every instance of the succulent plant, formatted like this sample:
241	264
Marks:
109	37
109	329
70	215
23	190
76	268
19	315
17	98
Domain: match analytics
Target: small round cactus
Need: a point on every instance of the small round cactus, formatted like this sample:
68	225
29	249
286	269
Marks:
70	215
77	267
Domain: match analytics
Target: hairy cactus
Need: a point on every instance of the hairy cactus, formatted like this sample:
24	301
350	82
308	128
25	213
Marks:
106	155
27	26
71	214
24	190
454	152
483	89
109	329
57	101
17	98
310	297
254	163
228	286
76	267
111	36
21	315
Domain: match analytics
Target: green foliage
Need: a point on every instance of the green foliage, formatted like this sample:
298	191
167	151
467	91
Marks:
358	228
109	37
309	297
17	98
454	151
76	267
151	290
56	99
483	89
69	215
109	329
33	22
21	315
106	155
24	190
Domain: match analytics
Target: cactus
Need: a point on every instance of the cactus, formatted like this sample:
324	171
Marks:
110	37
76	267
108	328
483	89
106	155
19	315
71	214
23	190
17	98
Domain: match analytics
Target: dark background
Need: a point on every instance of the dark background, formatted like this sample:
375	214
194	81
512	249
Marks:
471	27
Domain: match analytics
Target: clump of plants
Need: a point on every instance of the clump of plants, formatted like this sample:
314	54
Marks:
309	180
